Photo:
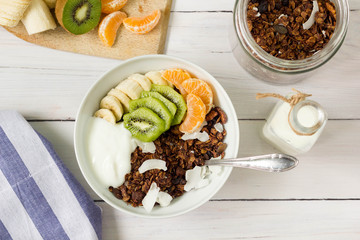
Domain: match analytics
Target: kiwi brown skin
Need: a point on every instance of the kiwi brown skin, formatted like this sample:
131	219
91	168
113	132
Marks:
59	9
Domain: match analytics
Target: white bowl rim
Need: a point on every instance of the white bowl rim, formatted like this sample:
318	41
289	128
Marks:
149	57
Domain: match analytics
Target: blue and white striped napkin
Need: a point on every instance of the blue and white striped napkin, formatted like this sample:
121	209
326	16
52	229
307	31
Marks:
39	197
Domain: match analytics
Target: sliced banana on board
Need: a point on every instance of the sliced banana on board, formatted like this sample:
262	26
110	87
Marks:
11	11
113	104
106	114
142	80
130	88
37	18
155	77
122	97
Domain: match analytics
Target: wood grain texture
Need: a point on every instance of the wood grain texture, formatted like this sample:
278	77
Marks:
326	171
246	220
35	73
127	44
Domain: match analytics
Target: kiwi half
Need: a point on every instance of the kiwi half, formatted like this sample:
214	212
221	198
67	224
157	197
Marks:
144	124
78	16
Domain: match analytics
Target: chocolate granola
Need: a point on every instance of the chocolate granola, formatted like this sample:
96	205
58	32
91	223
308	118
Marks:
277	26
179	155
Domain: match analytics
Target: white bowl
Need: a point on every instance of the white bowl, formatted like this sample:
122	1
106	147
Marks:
190	200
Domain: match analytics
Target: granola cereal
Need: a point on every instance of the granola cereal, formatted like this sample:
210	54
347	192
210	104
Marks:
277	26
180	155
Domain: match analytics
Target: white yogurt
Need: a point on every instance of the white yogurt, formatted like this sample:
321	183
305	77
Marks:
109	149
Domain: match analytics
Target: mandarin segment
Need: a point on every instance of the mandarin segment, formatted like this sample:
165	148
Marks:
142	25
110	6
201	89
176	76
195	114
109	26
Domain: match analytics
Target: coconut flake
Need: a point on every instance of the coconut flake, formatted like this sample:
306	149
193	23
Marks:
202	136
146	147
219	127
215	170
195	178
150	199
163	199
282	15
152	164
311	20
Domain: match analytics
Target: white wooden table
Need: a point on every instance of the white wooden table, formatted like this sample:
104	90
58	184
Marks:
320	199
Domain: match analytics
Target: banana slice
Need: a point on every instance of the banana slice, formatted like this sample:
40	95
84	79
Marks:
155	77
106	114
143	81
113	104
11	11
122	97
130	88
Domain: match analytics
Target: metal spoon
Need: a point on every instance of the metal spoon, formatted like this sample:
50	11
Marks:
268	163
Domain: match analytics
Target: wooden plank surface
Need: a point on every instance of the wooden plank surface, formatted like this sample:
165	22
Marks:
320	199
64	78
326	171
127	44
246	220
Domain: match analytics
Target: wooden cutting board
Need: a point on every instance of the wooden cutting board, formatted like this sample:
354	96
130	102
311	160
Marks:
127	44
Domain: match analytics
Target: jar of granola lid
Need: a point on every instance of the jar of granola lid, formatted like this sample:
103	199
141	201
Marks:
276	70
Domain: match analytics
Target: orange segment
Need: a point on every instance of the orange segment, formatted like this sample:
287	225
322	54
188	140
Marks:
195	115
201	89
176	76
110	6
109	26
144	24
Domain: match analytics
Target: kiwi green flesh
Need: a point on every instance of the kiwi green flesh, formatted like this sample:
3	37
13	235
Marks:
81	16
170	105
144	124
176	98
156	106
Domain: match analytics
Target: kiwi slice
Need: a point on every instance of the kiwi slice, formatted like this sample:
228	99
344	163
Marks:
156	106
170	105
144	124
173	96
78	16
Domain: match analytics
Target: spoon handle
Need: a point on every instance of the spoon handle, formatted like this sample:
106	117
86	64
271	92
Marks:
269	163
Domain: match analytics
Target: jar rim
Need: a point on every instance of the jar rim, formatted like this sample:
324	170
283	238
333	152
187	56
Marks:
295	122
290	66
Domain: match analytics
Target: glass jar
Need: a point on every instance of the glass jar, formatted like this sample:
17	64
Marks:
295	133
266	67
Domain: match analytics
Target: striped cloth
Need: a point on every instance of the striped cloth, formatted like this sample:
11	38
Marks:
39	197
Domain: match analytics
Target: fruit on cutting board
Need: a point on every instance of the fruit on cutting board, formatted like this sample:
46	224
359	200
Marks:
51	3
170	105
201	89
156	106
11	11
109	26
144	124
78	16
175	98
110	6
105	114
195	114
142	25
37	18
176	76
